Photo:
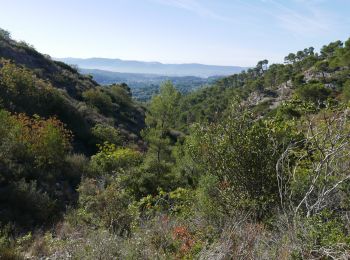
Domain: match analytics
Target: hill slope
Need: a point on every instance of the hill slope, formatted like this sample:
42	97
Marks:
59	74
306	76
49	88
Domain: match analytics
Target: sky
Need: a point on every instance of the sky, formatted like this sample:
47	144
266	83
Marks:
218	32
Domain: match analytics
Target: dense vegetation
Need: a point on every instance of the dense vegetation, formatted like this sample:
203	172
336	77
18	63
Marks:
253	167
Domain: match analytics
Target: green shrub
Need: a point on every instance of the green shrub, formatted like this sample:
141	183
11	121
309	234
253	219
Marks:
346	91
75	167
177	203
321	233
100	100
27	205
110	159
241	154
32	162
106	133
120	94
104	206
315	92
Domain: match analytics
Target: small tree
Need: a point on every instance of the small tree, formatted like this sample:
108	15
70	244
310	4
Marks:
160	119
329	51
156	170
5	34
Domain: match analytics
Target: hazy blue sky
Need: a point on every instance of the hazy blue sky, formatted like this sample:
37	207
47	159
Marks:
226	32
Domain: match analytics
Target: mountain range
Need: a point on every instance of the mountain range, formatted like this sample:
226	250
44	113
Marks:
129	66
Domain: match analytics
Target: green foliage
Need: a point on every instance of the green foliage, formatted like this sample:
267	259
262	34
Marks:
206	104
21	90
301	60
276	74
313	171
321	233
45	141
31	160
106	133
313	92
207	194
328	51
346	91
104	205
28	205
110	159
344	54
322	66
265	178
160	119
175	203
75	167
5	34
242	156
298	80
100	100
162	112
326	230
54	141
120	94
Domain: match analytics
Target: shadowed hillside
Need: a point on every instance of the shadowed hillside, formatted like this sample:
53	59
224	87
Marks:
61	91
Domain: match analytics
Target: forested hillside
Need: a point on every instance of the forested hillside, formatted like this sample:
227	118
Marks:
145	86
254	167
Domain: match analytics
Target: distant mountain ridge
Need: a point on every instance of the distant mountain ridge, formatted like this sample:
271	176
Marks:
129	66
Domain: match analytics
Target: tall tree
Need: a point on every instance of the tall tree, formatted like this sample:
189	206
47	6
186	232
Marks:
328	51
156	170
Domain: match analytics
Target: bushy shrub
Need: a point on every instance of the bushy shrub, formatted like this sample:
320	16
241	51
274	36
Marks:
315	93
106	133
241	156
100	100
120	94
22	91
32	159
321	236
110	159
28	205
48	140
75	167
177	203
104	205
346	91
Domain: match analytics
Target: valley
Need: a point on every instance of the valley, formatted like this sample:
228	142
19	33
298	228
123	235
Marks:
105	158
